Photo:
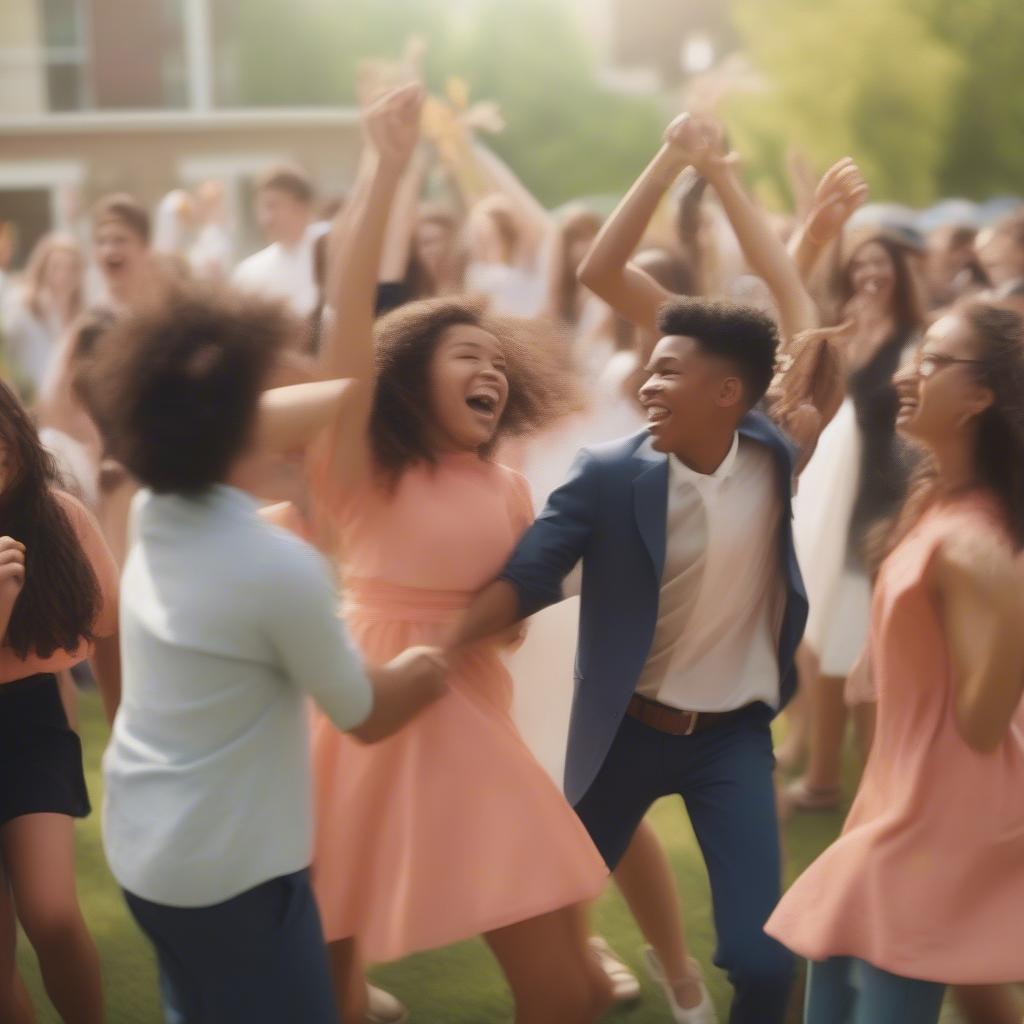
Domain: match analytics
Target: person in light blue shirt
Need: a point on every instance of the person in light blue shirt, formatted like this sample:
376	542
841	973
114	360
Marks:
228	625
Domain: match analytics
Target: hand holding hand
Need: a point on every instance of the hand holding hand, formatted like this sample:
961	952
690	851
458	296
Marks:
392	125
841	190
700	141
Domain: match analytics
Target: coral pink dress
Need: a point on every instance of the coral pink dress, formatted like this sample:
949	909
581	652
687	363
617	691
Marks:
927	879
450	828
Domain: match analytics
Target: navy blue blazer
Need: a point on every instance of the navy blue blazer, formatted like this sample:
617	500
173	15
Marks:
610	512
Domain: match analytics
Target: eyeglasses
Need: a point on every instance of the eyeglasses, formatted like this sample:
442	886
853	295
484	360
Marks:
928	365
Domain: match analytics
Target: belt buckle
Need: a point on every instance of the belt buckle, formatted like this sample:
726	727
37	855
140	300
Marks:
694	715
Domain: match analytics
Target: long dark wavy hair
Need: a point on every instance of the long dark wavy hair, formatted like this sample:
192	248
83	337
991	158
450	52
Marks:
541	386
60	600
907	300
999	448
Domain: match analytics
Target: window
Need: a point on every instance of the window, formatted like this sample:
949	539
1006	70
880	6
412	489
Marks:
65	53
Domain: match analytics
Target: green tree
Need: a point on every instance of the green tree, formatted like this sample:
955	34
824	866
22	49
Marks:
869	78
984	146
567	134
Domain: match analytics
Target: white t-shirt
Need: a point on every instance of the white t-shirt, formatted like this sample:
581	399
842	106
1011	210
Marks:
227	625
283	272
515	291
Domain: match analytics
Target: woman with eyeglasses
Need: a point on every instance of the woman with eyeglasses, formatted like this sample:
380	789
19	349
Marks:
922	888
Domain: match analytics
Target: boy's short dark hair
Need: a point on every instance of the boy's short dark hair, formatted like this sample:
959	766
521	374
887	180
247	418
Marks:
177	385
124	208
288	178
741	334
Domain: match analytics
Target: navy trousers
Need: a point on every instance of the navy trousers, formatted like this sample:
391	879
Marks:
724	776
258	958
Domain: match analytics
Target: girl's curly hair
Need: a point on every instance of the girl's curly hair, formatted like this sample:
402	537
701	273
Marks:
541	387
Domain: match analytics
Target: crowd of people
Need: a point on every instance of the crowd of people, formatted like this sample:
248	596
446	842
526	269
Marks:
282	515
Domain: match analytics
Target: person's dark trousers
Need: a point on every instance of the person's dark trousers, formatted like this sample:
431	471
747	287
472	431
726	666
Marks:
258	958
725	777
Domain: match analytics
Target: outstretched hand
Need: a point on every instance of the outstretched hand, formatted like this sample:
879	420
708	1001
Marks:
392	124
840	192
700	141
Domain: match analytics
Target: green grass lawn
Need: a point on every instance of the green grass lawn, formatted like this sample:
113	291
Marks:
458	985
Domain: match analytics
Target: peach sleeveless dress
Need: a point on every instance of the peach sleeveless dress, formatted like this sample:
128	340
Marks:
927	879
450	828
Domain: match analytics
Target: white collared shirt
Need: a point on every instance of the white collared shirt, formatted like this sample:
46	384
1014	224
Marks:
715	644
228	624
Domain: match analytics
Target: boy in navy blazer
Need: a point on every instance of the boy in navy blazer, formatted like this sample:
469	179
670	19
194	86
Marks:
692	605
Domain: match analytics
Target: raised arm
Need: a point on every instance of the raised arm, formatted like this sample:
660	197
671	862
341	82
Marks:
980	586
841	190
402	224
809	391
291	417
357	236
699	141
606	269
355	246
534	221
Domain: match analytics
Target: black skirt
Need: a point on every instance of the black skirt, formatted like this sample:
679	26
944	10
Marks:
40	755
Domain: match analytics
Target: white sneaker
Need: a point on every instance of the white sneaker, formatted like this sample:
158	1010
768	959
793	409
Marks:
702	1013
384	1008
625	987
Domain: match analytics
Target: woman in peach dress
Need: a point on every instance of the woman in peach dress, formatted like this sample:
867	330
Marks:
450	829
925	885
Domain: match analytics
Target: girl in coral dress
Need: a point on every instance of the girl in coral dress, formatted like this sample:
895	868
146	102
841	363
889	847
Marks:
925	885
450	829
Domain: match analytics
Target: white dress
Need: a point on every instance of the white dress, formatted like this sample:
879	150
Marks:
839	595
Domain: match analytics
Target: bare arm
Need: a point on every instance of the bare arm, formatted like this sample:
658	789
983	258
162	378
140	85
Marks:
355	254
394	262
606	269
494	610
401	690
291	417
357	236
106	664
317	657
699	141
534	220
981	589
841	190
532	579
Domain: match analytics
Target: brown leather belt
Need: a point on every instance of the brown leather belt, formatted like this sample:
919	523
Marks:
674	721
